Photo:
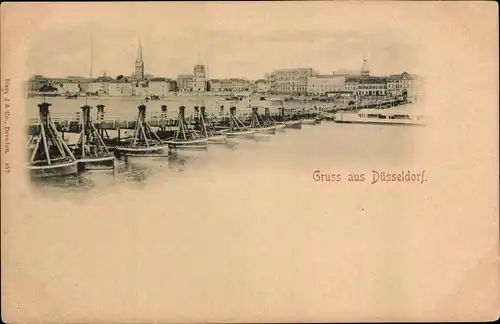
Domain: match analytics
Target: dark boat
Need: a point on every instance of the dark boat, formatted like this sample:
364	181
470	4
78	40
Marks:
207	129
236	127
186	137
49	154
260	125
90	150
145	142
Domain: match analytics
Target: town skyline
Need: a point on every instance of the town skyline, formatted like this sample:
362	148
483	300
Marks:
172	46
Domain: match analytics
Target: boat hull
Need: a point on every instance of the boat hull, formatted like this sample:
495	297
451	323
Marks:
328	116
295	124
54	170
309	121
193	145
281	128
243	134
355	119
218	139
266	130
374	122
151	151
97	163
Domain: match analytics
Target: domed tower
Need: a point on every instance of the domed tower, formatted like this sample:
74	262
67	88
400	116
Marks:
365	70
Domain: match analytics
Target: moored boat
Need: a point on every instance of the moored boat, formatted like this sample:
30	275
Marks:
207	129
40	169
90	150
261	125
295	124
217	139
49	154
197	144
153	150
97	163
266	130
381	117
241	134
144	142
328	116
186	137
280	127
309	121
236	128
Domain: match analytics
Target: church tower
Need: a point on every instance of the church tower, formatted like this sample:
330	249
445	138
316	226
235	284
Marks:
139	63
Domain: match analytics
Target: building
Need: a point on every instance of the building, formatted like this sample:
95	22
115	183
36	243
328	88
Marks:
99	86
139	63
36	82
94	88
229	85
398	85
262	86
120	88
160	86
139	88
323	84
185	82
351	84
290	81
371	86
70	88
199	78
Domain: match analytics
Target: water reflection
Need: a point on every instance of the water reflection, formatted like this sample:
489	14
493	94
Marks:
329	144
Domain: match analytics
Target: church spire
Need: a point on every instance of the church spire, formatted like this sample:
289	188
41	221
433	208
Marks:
139	63
139	52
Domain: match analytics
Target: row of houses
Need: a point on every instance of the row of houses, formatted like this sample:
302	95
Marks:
300	81
305	81
128	86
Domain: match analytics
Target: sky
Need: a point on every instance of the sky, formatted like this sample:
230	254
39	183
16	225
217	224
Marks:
233	39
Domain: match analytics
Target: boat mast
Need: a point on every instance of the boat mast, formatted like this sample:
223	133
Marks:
142	130
50	138
90	136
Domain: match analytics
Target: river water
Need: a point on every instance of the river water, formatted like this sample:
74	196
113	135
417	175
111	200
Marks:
239	229
328	146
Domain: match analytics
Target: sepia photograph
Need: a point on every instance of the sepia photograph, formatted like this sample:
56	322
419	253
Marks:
171	97
278	161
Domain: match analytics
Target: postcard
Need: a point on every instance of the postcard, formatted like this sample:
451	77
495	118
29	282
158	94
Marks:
249	162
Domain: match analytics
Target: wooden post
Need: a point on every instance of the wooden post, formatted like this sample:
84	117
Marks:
100	118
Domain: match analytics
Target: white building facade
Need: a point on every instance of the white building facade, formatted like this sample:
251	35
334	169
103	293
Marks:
120	88
290	81
185	82
70	88
229	85
323	84
160	86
